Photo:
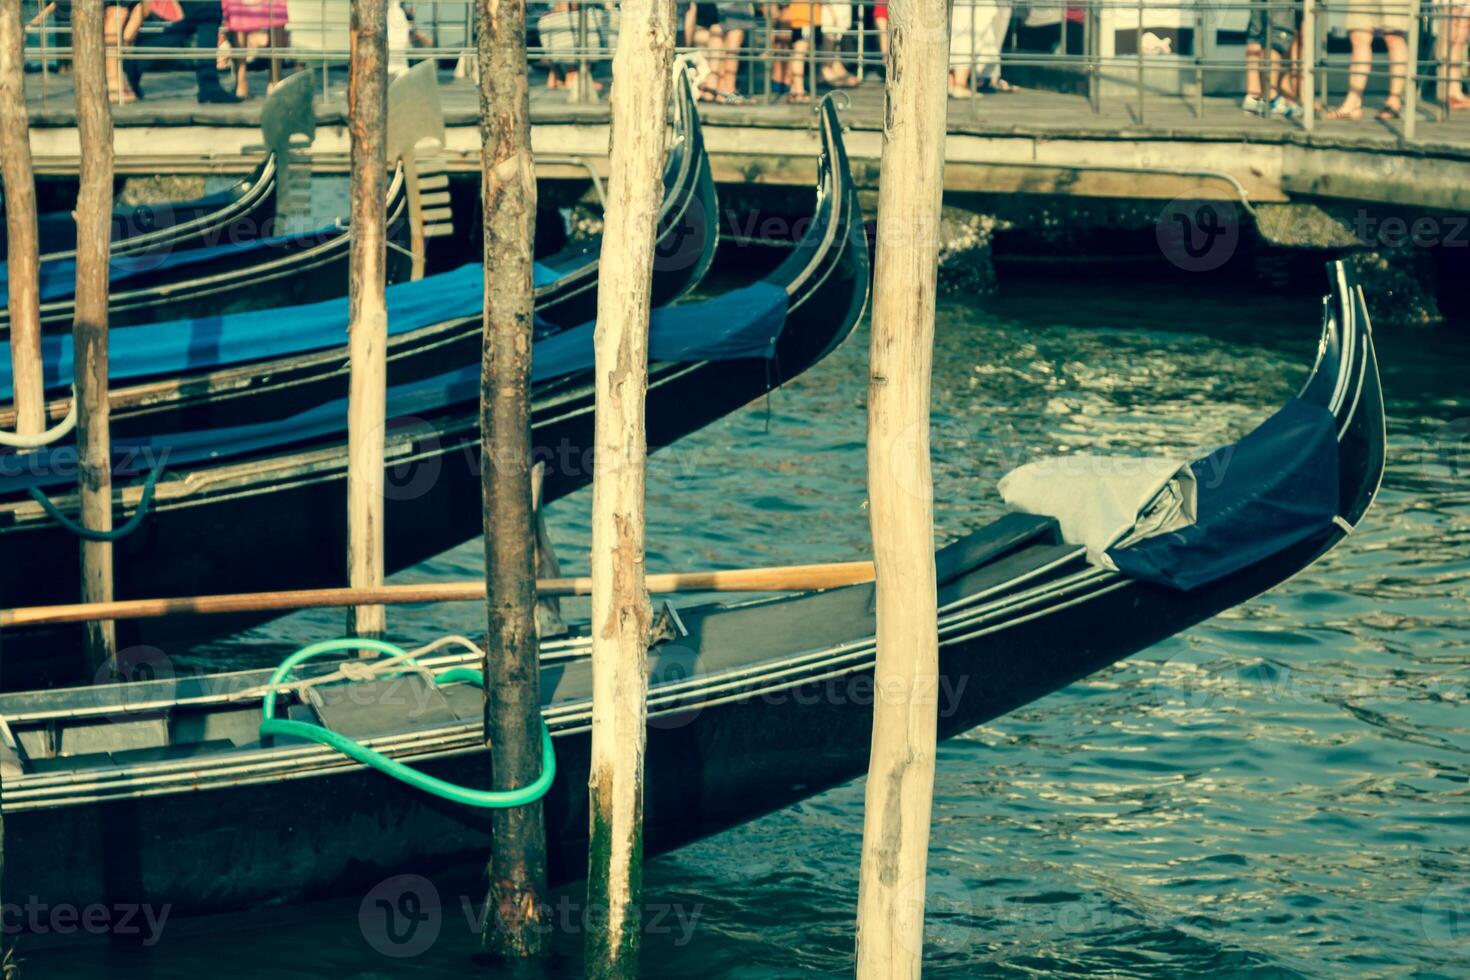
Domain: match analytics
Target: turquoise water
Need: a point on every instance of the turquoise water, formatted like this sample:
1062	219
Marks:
1281	791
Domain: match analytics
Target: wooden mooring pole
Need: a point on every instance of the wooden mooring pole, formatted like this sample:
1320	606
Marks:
89	324
900	787
516	904
23	246
367	331
621	614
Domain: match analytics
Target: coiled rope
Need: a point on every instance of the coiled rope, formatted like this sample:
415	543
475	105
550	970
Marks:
401	661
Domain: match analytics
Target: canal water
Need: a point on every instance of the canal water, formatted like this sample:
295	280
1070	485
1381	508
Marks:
1281	791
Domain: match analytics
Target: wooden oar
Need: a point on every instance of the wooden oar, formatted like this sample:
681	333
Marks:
787	578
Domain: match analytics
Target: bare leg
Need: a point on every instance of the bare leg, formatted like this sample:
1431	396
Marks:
880	24
1398	67
1351	106
1253	70
241	43
797	69
1459	34
114	28
1291	77
730	64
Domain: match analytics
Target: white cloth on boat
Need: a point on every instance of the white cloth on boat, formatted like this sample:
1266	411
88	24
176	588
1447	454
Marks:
1102	502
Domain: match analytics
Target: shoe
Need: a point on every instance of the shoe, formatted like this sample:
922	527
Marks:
1282	109
1253	105
134	75
218	96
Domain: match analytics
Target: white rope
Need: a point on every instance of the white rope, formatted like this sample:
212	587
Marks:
358	670
58	431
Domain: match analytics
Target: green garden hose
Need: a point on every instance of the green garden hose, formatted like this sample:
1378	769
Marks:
493	799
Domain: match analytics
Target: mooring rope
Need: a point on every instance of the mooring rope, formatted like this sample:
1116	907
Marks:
270	725
117	533
40	440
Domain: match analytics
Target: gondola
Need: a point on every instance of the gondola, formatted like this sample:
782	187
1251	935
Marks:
215	371
276	271
163	792
244	211
260	506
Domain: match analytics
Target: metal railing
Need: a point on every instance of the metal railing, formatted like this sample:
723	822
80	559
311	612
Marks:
1142	55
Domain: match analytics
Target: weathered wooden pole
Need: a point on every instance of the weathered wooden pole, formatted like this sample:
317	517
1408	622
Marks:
23	246
517	899
89	323
367	331
621	613
900	788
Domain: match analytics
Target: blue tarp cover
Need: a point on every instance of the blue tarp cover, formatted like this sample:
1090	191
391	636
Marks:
745	323
59	277
1274	488
202	343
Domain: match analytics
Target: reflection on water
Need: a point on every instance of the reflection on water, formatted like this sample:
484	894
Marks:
1284	789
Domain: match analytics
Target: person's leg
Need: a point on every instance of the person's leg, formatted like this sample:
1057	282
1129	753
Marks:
240	42
202	22
729	71
114	20
994	22
1291	79
1398	66
1253	87
880	24
1458	33
1351	106
796	77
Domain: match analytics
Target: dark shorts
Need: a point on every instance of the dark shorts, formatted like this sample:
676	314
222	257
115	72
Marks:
1275	28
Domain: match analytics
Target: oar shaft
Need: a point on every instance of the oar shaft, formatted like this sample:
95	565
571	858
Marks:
789	578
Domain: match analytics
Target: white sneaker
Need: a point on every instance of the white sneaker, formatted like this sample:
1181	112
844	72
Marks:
1253	105
1283	109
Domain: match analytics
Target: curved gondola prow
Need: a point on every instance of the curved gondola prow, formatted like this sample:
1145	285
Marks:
689	228
829	265
1345	381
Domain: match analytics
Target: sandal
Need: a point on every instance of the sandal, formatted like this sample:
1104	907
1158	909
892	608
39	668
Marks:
798	98
1389	112
1001	86
1341	112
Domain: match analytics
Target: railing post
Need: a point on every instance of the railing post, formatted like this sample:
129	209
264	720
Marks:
1199	61
1091	47
1139	54
1411	69
584	90
1307	89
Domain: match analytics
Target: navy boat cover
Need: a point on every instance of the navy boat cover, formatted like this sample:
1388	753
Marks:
1273	489
58	277
201	343
744	323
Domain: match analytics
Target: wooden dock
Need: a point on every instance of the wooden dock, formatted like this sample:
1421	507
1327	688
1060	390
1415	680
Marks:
1032	141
